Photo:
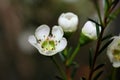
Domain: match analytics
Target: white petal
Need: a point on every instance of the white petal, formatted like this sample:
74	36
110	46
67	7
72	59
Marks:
57	33
42	32
116	64
32	40
48	53
89	29
61	45
68	21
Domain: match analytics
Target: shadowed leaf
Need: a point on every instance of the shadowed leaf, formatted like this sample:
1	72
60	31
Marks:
105	46
90	57
107	37
82	78
98	75
99	66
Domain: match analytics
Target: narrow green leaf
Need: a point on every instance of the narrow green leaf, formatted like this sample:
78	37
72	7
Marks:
107	37
97	30
67	52
115	2
62	56
82	78
105	46
84	40
59	78
75	67
94	21
90	57
114	14
99	66
98	75
106	6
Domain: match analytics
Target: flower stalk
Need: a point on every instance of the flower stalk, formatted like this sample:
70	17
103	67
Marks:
63	74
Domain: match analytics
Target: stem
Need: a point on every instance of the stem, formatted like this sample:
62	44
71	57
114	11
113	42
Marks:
96	54
68	73
114	74
68	62
59	68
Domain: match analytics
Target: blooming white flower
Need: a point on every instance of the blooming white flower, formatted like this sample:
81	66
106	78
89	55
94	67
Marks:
89	30
113	51
68	21
47	44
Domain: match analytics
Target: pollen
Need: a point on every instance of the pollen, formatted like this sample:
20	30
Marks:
48	45
116	54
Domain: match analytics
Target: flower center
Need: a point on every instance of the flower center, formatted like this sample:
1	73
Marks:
68	17
48	45
116	54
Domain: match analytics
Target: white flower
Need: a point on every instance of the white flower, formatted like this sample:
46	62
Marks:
89	30
47	44
68	21
113	51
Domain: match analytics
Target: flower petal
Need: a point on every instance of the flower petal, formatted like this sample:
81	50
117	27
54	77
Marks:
57	33
42	32
116	64
48	53
89	30
32	40
68	21
61	45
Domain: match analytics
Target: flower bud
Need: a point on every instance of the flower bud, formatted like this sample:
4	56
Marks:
89	30
88	33
68	21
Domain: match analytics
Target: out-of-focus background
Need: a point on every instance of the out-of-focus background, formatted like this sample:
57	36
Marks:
19	19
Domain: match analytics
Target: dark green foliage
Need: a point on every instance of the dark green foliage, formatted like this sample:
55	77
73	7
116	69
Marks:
98	75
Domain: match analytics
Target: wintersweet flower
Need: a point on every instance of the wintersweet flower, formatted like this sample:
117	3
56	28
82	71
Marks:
89	30
113	52
47	44
68	21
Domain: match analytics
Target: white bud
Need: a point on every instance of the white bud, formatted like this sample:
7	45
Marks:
89	30
68	21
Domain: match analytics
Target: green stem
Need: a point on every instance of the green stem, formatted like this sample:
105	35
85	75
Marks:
96	55
69	61
59	68
114	74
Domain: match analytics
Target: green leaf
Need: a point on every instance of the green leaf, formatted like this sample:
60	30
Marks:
107	37
105	46
59	78
114	3
97	30
114	14
67	52
97	75
94	21
90	57
106	6
82	78
75	67
84	39
99	66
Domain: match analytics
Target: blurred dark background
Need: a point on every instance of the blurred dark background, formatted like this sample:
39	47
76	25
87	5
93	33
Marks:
19	19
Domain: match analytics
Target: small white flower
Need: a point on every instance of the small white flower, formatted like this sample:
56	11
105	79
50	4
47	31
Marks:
68	21
47	44
113	51
89	30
